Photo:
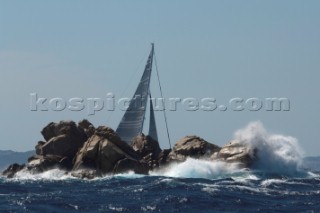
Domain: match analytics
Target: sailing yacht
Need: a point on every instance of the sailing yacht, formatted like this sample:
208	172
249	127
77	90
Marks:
132	121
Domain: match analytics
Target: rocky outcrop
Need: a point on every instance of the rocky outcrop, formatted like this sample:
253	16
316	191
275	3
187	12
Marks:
237	151
125	165
38	147
103	152
163	157
87	127
40	163
87	152
12	170
85	173
62	139
192	146
146	145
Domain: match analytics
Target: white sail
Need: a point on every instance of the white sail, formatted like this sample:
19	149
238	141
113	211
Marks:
131	124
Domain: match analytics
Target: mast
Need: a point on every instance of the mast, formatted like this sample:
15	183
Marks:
132	121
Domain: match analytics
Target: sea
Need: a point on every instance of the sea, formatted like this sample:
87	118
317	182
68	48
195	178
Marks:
278	182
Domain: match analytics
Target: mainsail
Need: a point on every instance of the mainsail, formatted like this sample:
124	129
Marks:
152	126
131	124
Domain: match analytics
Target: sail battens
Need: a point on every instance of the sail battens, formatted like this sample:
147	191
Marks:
131	124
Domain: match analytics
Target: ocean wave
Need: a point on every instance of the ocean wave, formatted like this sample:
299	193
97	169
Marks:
277	156
196	168
53	174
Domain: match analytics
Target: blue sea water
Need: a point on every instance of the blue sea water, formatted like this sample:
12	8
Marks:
243	191
278	182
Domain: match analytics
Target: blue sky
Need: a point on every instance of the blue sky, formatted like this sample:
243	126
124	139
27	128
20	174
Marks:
219	49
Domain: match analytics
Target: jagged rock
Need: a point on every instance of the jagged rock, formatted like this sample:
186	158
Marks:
89	152
107	132
192	146
63	139
145	145
39	147
12	170
121	146
126	165
86	157
150	161
39	163
235	151
60	145
87	127
102	151
109	154
162	157
85	173
49	131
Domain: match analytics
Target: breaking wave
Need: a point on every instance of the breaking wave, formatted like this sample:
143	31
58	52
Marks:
53	174
195	168
277	155
194	185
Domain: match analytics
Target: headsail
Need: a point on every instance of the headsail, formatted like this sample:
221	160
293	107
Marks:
131	124
152	127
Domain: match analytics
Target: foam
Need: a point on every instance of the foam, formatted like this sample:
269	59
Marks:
195	168
53	174
277	154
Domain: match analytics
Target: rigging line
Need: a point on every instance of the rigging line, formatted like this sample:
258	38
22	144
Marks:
163	103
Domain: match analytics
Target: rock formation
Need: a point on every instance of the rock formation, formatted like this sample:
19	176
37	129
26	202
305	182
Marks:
87	152
192	146
12	170
62	141
237	151
102	152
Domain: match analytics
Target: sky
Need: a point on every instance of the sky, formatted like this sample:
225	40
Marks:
217	49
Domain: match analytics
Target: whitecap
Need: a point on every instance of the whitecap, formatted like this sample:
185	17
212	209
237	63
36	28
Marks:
196	168
148	208
276	154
